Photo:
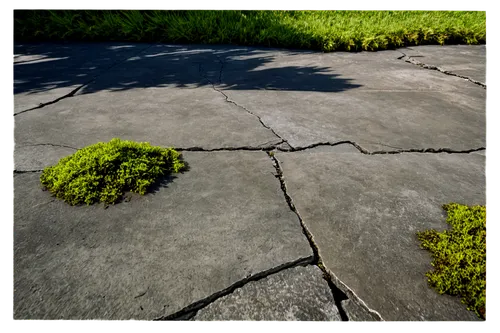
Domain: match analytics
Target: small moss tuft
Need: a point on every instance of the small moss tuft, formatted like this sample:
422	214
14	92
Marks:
459	256
103	172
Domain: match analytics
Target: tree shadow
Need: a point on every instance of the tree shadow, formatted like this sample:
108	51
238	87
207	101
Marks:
121	67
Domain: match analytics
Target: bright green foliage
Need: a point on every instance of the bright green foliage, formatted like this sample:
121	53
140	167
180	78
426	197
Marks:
460	256
105	171
318	30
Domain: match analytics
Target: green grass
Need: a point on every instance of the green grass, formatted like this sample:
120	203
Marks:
459	256
318	30
103	172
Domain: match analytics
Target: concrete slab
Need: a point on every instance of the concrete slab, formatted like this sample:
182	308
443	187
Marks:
298	293
167	117
364	211
44	72
222	221
38	157
464	60
227	219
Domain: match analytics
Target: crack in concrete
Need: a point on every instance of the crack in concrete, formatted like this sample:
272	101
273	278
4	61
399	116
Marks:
228	100
248	148
26	171
190	311
409	59
74	91
382	152
47	144
338	295
277	146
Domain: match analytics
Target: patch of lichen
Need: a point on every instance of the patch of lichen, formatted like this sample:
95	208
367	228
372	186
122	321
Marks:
103	172
459	256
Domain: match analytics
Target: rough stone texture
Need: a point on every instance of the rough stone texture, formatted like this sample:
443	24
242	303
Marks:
44	72
168	117
464	60
202	231
298	293
227	217
364	211
356	312
30	158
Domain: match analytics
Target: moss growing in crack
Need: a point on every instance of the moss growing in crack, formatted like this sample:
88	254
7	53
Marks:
103	172
459	256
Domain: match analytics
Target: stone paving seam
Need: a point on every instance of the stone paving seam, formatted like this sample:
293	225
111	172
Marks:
338	294
74	91
191	310
411	60
200	70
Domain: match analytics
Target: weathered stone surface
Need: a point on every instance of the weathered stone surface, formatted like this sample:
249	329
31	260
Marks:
30	158
356	312
298	293
364	211
202	231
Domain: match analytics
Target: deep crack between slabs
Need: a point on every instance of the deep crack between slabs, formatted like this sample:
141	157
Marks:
191	310
338	295
409	59
333	144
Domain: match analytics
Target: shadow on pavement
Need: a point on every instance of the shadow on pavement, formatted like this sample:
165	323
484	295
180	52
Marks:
42	67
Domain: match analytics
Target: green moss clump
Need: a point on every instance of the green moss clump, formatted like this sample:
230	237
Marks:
103	172
459	256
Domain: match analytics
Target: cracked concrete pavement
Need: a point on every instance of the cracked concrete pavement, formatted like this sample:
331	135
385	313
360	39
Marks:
310	174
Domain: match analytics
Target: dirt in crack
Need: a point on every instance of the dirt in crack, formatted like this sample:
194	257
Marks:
338	295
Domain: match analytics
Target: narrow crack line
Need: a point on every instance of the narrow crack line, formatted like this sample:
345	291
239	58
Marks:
26	171
247	148
221	69
338	295
429	150
411	60
74	91
142	294
191	310
47	144
228	100
382	152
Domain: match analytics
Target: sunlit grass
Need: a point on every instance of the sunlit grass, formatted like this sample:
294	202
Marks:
318	30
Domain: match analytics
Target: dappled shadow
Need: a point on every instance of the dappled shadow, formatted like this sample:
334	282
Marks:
42	67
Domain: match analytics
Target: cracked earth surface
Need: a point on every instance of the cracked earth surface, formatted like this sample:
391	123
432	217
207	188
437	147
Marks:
310	175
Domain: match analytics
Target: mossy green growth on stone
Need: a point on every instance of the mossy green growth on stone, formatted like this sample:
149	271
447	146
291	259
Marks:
103	172
459	256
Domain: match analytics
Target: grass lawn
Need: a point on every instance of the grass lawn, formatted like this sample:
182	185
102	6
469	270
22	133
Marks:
460	256
318	30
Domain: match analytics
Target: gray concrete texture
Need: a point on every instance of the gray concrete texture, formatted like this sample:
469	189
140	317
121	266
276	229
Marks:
226	220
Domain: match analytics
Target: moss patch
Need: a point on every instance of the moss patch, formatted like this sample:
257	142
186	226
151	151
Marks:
103	172
459	256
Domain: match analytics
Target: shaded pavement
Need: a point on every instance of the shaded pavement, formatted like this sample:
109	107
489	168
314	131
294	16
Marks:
310	174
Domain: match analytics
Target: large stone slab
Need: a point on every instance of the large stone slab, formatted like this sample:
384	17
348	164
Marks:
44	72
364	211
465	60
377	121
298	293
202	231
168	117
373	98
